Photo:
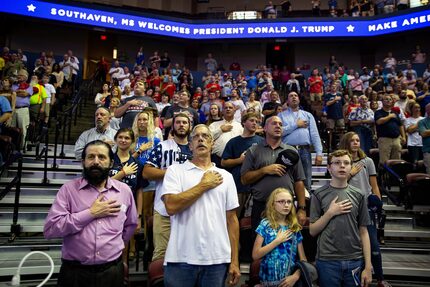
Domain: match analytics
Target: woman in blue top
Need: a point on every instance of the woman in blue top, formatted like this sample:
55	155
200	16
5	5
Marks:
279	241
144	129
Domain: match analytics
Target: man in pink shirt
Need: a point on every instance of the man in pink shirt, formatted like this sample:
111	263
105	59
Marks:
96	216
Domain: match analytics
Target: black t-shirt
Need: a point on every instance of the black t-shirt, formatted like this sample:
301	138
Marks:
390	129
132	111
135	180
164	62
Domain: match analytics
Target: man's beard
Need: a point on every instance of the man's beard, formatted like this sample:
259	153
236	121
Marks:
95	175
180	135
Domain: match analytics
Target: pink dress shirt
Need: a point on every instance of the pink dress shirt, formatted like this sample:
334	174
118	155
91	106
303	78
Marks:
87	239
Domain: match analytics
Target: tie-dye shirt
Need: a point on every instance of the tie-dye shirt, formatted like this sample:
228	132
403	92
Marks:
274	265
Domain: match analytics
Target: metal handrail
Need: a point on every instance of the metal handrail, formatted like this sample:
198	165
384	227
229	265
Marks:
15	228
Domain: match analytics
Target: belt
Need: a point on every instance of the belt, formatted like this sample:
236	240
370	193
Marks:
93	268
21	107
302	146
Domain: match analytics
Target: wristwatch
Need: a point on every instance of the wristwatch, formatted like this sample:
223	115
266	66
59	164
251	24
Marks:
302	207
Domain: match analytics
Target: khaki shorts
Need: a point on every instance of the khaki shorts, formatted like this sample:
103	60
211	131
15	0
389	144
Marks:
316	97
389	148
340	123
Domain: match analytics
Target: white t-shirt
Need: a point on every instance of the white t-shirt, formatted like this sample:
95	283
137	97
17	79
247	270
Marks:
49	90
414	139
116	74
221	138
199	233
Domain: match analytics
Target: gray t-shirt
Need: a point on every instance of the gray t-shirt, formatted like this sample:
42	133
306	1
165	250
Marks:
361	179
132	111
262	155
340	239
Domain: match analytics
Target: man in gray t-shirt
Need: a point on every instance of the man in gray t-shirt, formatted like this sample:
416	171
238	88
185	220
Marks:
339	217
262	172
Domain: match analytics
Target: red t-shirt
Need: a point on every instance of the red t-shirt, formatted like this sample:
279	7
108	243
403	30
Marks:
316	88
169	89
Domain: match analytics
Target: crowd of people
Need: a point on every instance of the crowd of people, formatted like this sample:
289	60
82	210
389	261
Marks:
198	157
32	93
357	8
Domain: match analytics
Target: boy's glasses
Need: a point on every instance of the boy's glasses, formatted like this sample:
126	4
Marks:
341	162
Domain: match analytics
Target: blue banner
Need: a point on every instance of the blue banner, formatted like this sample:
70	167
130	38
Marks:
198	30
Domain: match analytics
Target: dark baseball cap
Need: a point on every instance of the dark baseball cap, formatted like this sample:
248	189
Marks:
287	158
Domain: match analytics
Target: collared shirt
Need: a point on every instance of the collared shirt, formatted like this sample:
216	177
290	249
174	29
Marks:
221	138
87	239
293	135
424	125
92	135
360	114
22	101
262	155
199	233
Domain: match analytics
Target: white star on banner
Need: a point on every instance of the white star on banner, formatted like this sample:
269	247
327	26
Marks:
350	28
31	8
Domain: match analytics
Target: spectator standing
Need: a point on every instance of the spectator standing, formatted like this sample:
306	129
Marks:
363	176
210	63
390	61
279	241
339	211
286	8
415	141
402	4
424	130
131	106
300	130
172	151
390	131
418	57
270	10
128	170
96	216
334	102
316	86
21	116
201	200
361	121
264	173
316	11
234	154
102	132
224	130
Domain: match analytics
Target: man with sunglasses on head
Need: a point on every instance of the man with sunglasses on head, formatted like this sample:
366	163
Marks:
339	218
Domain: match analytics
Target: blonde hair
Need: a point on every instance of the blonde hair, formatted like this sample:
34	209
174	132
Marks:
270	212
150	130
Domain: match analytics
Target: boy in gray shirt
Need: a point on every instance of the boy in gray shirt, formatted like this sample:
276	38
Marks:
339	217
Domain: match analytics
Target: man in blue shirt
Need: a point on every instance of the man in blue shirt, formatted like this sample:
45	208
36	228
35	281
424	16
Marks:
333	102
300	130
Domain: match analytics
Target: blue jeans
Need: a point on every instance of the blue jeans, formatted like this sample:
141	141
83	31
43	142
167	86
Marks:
306	158
366	138
375	251
187	275
336	273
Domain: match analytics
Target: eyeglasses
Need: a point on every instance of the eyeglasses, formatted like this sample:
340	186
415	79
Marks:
340	162
283	201
204	136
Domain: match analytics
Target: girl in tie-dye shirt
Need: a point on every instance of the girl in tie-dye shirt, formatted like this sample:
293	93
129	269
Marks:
279	241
